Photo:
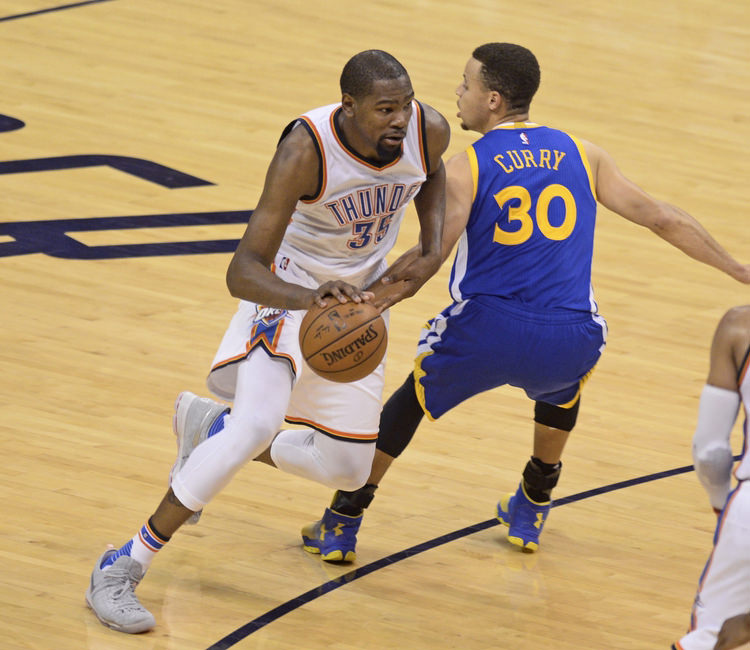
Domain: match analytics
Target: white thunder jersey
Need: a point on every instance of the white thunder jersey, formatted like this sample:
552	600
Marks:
343	232
742	471
346	230
724	587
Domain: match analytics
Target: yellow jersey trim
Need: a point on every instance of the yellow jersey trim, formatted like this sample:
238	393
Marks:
474	165
418	388
586	164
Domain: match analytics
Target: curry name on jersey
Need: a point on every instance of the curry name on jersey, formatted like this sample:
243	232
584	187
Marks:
530	233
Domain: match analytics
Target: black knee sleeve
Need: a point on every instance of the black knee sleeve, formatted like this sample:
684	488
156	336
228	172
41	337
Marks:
399	419
556	417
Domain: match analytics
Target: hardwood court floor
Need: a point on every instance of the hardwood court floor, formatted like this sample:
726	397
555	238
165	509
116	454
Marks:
104	325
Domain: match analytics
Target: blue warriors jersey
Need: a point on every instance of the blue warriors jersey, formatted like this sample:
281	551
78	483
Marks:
530	234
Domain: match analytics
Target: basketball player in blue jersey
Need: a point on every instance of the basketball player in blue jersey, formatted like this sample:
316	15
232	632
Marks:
724	588
521	202
334	197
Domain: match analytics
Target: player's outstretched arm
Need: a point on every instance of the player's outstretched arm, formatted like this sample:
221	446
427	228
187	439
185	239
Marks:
404	278
670	222
459	192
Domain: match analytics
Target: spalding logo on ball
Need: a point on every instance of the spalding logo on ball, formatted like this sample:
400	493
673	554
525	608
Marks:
343	342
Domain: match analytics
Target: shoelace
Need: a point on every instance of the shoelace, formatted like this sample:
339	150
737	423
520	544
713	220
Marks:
121	584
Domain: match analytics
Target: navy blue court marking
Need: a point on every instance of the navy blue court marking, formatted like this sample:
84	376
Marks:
51	238
360	572
8	123
44	11
138	167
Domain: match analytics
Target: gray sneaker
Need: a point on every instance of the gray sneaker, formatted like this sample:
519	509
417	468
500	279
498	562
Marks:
193	417
111	595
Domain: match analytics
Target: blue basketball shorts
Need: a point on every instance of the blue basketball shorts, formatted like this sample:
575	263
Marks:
485	342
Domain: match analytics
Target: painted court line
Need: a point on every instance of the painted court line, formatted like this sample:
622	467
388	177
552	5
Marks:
360	572
44	11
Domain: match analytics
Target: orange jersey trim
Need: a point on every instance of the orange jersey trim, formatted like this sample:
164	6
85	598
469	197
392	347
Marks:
422	137
229	361
262	342
362	161
343	435
324	167
270	344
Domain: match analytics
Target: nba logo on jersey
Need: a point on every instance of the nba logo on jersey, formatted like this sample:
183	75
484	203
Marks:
524	138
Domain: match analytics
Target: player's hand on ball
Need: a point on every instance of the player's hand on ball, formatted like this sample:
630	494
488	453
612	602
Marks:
341	292
343	342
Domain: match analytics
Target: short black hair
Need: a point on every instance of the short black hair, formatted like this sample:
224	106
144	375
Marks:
511	70
363	69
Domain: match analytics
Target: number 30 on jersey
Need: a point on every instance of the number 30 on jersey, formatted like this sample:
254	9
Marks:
522	214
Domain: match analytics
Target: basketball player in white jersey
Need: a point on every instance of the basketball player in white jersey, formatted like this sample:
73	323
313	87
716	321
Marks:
333	200
724	588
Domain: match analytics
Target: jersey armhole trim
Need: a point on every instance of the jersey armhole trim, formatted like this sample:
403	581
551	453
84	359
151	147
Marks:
586	164
474	166
322	175
423	150
744	368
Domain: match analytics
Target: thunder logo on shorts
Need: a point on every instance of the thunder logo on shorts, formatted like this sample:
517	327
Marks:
267	327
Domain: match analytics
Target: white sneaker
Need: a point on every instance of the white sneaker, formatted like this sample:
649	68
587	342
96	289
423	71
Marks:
193	417
111	595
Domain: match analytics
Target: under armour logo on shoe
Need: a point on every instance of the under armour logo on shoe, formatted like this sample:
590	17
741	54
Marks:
336	530
539	520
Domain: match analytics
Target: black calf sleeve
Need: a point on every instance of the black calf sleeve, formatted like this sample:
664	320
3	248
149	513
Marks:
399	419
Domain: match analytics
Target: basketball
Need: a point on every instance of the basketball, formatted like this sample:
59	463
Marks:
343	342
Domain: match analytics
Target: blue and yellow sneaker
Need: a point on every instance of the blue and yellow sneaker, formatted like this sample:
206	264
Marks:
334	537
525	519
